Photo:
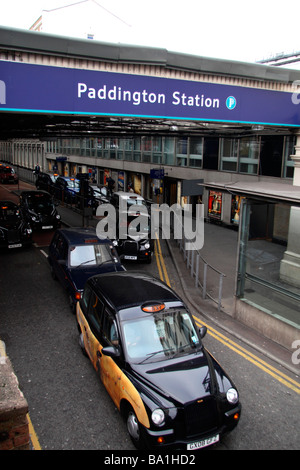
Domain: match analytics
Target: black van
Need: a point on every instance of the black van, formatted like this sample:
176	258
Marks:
145	345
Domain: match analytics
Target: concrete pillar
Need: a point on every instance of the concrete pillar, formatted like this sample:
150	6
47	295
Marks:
290	264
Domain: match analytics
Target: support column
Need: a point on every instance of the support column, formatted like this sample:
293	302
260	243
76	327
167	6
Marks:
290	264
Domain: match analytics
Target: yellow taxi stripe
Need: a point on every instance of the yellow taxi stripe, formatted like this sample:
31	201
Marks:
275	373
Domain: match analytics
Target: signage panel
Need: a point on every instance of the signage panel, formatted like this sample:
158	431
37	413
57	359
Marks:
157	173
47	89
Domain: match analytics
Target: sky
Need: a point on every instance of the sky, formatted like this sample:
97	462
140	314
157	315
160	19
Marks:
224	29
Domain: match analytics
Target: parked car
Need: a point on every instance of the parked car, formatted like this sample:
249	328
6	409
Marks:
15	232
143	342
137	245
38	209
8	174
66	189
75	254
45	181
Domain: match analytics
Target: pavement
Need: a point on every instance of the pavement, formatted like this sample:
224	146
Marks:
220	250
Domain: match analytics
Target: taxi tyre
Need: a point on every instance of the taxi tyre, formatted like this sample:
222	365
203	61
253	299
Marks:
134	429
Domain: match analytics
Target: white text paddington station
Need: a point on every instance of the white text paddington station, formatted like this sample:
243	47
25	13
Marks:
116	93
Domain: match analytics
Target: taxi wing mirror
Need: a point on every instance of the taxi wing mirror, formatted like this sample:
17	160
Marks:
203	331
110	351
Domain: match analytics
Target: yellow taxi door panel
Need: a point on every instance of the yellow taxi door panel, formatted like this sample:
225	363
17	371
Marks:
111	376
85	329
130	393
115	381
119	387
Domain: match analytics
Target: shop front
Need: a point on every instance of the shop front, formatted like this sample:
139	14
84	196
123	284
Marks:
267	295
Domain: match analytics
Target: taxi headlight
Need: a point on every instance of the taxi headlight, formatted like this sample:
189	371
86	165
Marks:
145	246
158	417
232	395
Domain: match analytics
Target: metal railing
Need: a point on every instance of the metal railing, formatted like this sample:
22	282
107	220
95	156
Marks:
25	174
206	276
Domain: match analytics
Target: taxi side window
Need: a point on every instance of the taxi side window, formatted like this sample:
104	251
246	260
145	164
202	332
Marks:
109	330
95	314
85	299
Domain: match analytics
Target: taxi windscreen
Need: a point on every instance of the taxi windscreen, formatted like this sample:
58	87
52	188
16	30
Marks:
160	336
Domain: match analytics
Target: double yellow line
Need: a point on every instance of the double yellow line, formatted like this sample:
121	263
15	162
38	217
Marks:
163	274
272	371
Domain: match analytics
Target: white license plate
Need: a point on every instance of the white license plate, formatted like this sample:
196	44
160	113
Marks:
15	245
46	227
130	257
204	443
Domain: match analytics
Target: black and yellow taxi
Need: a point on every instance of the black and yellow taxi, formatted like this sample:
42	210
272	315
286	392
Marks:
144	344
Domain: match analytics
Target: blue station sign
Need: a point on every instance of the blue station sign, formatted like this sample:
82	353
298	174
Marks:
46	89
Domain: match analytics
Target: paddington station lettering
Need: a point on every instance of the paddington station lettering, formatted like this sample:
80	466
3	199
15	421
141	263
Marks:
116	93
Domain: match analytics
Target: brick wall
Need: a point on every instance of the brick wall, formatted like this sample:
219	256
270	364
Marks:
14	428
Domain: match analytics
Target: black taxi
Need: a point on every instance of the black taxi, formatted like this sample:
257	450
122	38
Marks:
144	344
15	232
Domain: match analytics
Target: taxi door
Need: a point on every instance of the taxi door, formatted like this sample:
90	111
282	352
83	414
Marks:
109	367
99	330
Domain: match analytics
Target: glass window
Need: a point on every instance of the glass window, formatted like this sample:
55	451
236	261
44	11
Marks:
157	150
146	149
211	153
169	151
271	149
109	331
99	145
289	149
126	146
89	255
85	298
182	151
157	336
76	146
95	313
137	149
265	280
196	151
229	154
248	155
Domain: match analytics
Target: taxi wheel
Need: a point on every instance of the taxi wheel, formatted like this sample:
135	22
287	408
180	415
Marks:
133	429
